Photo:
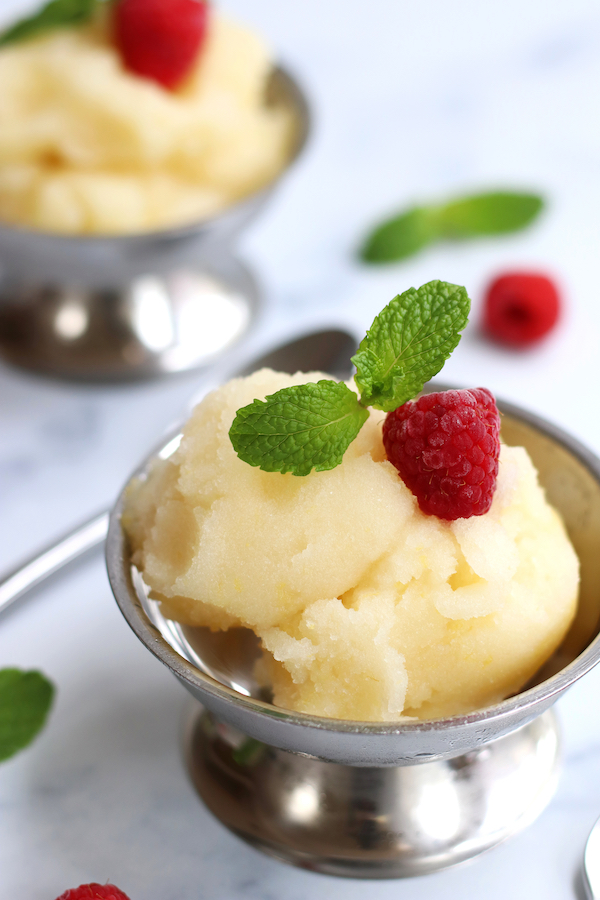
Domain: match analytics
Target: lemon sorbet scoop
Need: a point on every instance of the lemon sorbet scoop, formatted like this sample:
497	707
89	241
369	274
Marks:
87	147
366	608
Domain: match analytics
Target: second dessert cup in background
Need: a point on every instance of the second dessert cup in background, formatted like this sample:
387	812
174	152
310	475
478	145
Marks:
135	306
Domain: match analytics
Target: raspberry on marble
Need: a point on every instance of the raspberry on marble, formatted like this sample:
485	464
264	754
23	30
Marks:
520	308
94	892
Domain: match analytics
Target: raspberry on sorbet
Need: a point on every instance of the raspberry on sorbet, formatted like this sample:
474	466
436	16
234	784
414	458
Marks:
445	447
160	39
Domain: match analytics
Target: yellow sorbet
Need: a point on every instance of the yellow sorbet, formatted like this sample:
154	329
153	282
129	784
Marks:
89	148
366	608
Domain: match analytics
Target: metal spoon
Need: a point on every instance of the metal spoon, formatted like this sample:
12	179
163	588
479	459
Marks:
324	351
591	864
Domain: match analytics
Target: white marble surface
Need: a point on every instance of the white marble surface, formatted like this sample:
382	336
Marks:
410	101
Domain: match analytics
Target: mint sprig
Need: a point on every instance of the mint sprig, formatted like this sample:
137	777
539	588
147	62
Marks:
25	700
310	426
300	428
498	212
409	342
478	215
56	14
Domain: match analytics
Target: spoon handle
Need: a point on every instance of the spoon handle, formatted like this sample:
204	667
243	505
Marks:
591	864
39	567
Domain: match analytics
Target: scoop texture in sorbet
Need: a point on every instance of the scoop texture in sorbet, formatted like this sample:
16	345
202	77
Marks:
87	147
367	609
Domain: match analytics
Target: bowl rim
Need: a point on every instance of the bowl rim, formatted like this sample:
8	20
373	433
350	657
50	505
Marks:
303	116
519	704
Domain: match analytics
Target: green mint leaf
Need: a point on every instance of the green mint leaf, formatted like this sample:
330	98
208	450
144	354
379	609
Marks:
300	428
498	212
494	212
401	236
409	342
56	14
25	700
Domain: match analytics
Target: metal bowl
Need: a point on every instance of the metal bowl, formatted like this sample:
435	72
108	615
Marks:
134	306
378	800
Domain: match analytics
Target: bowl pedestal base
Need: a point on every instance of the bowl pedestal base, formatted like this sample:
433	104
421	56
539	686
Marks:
366	822
133	323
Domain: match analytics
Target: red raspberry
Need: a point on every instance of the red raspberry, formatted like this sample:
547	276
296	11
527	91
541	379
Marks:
160	39
445	447
94	892
520	308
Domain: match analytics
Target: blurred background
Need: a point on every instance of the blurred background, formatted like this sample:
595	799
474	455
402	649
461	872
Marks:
411	103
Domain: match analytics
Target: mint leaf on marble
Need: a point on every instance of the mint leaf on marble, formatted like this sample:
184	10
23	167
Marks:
497	212
401	237
56	14
298	429
409	342
25	700
493	212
